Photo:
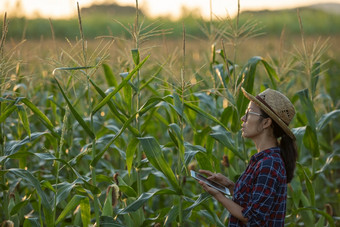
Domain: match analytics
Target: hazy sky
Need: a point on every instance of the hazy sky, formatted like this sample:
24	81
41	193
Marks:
62	8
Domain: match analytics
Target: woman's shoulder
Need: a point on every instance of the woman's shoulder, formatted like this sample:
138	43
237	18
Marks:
271	159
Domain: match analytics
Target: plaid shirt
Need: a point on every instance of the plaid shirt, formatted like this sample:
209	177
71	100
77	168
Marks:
262	190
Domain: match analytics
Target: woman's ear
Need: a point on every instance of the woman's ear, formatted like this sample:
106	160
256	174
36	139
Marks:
267	122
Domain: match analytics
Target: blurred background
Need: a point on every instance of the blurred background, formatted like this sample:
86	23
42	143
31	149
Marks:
29	19
275	24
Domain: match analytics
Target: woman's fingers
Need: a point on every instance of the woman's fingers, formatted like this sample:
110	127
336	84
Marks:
208	189
206	172
217	177
212	176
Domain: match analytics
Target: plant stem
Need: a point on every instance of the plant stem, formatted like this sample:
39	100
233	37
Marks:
180	144
81	34
2	127
57	164
236	33
3	36
139	151
93	168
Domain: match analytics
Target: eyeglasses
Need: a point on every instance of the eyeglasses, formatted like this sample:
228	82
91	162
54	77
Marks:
250	112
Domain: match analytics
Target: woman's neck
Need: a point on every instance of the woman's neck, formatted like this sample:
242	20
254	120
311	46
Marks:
264	143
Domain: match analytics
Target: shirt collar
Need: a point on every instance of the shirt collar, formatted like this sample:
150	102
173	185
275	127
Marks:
265	153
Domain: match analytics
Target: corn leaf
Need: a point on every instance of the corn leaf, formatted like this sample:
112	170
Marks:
178	105
316	69
203	161
205	114
123	187
202	156
24	119
110	77
85	211
143	198
13	146
246	80
7	112
313	209
71	68
156	158
114	110
31	180
106	221
203	197
310	140
19	206
74	202
308	108
326	118
152	77
63	191
177	136
172	215
135	56
44	119
24	154
225	138
327	163
296	191
79	119
130	152
107	208
148	105
119	87
307	215
308	184
100	154
271	73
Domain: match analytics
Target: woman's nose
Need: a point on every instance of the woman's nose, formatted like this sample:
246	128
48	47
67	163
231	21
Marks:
243	118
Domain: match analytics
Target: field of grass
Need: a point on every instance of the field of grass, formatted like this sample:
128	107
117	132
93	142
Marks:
105	130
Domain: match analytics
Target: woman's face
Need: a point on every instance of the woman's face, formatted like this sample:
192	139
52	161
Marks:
251	126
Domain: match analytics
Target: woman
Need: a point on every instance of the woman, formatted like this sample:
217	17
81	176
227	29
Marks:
260	193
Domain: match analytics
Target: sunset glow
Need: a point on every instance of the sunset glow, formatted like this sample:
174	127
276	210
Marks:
67	8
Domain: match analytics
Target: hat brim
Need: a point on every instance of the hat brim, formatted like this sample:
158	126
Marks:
271	114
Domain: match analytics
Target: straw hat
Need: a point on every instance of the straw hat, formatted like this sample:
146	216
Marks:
276	105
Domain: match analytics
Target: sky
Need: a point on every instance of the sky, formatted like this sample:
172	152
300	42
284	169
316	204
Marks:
67	8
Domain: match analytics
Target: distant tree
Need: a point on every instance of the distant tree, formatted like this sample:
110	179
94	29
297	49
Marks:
109	9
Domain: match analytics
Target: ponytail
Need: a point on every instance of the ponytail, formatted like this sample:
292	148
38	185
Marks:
289	155
288	148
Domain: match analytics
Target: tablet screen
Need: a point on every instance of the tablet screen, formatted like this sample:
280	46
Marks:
211	183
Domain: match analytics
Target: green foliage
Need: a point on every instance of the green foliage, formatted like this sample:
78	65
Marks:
91	124
316	22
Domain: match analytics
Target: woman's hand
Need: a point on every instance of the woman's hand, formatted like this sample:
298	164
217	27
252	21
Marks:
209	189
219	178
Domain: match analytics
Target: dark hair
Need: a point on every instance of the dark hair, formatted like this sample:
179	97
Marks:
287	147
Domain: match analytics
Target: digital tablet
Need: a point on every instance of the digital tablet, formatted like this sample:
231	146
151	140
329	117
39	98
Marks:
210	183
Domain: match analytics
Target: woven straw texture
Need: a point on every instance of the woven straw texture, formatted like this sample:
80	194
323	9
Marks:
276	105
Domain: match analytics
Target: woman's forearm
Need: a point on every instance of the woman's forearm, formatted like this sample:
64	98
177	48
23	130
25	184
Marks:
234	209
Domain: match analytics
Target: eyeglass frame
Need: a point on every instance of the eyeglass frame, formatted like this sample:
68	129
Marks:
251	112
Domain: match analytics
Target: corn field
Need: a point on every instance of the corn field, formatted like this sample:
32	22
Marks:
84	142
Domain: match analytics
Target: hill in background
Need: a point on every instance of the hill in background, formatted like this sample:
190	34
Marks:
318	19
98	20
327	7
112	10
